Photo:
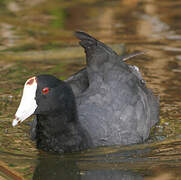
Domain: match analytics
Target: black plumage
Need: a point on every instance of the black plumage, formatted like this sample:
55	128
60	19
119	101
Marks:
106	103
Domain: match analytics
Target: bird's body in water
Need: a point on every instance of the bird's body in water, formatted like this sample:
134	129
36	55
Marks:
106	103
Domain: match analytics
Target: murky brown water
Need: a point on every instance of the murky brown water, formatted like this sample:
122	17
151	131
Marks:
37	37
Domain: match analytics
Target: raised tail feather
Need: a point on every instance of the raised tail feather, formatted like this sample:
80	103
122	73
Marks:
89	42
84	36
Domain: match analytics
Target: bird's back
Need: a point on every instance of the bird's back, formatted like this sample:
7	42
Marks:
117	107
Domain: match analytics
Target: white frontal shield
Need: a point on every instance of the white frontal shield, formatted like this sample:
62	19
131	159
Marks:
28	103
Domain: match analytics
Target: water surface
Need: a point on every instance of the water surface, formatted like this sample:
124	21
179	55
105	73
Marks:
37	37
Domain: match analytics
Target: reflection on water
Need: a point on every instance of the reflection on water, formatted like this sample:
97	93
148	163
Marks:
55	168
37	37
118	163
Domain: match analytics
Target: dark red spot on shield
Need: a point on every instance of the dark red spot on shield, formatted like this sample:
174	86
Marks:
31	81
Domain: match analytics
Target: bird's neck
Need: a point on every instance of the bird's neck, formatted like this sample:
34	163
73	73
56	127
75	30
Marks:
57	134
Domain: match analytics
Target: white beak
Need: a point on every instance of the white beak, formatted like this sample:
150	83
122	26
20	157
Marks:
28	103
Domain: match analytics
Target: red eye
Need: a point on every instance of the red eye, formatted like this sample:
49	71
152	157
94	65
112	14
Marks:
45	90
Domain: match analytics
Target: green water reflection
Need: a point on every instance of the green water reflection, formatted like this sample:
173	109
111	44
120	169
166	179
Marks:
37	37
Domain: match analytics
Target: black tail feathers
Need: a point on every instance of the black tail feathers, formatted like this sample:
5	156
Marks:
88	42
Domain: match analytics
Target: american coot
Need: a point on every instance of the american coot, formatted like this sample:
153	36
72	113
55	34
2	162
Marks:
107	103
